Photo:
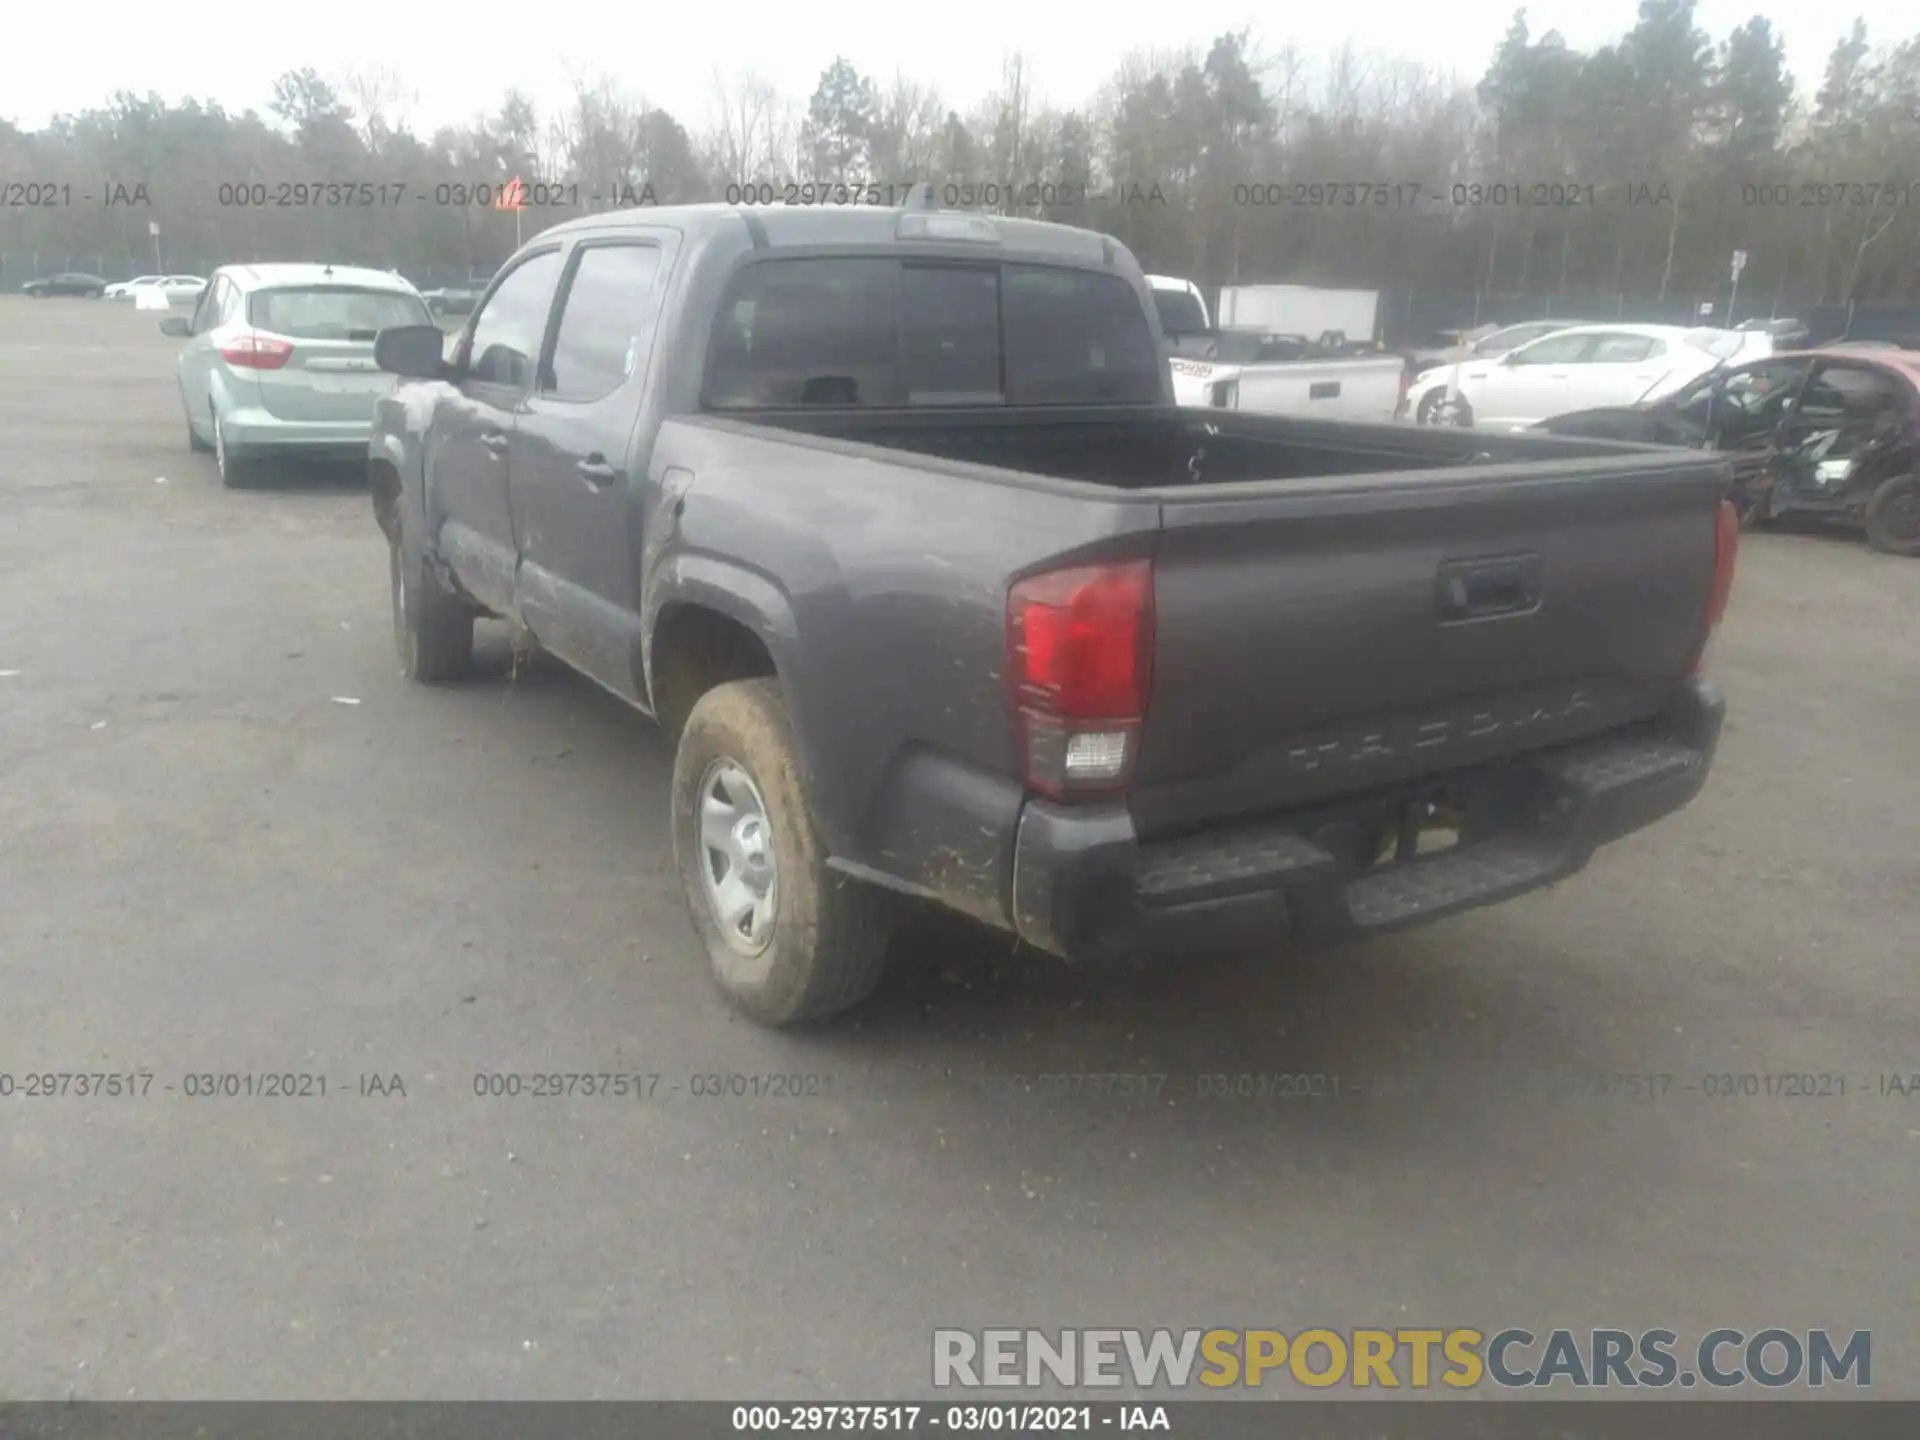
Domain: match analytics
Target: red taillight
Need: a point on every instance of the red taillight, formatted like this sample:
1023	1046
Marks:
1726	549
256	352
1080	657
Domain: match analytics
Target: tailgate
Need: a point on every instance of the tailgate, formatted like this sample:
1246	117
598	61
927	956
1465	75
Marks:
1360	389
1322	638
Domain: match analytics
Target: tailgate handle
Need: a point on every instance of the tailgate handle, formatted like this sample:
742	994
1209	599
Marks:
1482	589
1324	390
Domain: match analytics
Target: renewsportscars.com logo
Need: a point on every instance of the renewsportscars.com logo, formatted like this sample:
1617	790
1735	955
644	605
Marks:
1400	1358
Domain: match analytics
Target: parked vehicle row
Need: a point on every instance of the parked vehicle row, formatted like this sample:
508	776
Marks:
1158	677
177	289
1571	369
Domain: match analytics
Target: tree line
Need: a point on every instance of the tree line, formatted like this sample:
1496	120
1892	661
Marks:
1635	169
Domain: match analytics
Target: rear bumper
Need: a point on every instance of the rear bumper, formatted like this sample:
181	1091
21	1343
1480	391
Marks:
252	429
1086	887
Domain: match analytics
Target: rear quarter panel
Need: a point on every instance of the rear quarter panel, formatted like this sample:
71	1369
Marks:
880	589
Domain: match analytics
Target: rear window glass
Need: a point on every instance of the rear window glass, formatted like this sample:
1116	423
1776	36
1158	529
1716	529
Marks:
333	314
1721	344
886	332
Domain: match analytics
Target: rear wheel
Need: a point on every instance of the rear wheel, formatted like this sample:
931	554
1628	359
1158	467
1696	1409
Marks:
787	939
432	628
1893	516
235	473
1436	409
194	442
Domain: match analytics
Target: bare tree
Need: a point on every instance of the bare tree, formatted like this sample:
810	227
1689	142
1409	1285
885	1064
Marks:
382	103
744	133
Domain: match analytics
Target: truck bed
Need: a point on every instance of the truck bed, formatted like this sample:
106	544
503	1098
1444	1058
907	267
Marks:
1131	450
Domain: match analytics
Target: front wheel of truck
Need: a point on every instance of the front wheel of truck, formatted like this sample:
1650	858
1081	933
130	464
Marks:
432	629
788	939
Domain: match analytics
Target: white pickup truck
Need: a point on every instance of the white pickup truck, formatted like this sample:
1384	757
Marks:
1269	374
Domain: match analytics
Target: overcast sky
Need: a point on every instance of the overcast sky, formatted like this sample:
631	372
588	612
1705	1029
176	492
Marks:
461	59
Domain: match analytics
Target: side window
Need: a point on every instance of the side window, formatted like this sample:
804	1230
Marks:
205	311
1849	392
1553	350
507	334
606	322
1624	350
230	303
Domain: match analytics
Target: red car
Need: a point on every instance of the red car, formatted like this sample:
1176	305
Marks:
1834	431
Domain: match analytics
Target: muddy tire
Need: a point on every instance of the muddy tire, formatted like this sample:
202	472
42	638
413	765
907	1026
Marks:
1893	516
787	939
432	629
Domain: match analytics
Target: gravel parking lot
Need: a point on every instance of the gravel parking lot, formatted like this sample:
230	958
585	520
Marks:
211	865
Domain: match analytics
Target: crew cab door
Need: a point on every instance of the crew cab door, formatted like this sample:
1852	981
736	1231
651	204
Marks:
579	469
1618	371
1848	416
470	437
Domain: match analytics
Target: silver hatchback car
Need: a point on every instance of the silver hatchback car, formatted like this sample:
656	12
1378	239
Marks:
279	360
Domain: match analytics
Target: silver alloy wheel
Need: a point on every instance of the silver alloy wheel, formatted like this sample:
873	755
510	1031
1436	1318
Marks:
737	864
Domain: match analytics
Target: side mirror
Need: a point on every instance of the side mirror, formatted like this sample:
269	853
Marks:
416	352
178	326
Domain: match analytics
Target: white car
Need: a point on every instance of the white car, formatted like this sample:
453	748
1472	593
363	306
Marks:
1577	369
172	289
124	289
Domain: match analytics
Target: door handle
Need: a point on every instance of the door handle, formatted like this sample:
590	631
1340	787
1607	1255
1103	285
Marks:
1481	589
495	441
596	469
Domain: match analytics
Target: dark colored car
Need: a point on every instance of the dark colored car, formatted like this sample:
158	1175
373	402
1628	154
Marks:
70	282
1785	334
890	519
1831	432
457	299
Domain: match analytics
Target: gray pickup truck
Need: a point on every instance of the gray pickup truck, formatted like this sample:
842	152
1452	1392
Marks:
890	520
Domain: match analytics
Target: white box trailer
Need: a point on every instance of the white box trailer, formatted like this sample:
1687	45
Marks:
1306	310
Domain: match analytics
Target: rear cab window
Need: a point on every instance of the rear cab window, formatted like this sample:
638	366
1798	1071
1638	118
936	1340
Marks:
332	312
888	332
